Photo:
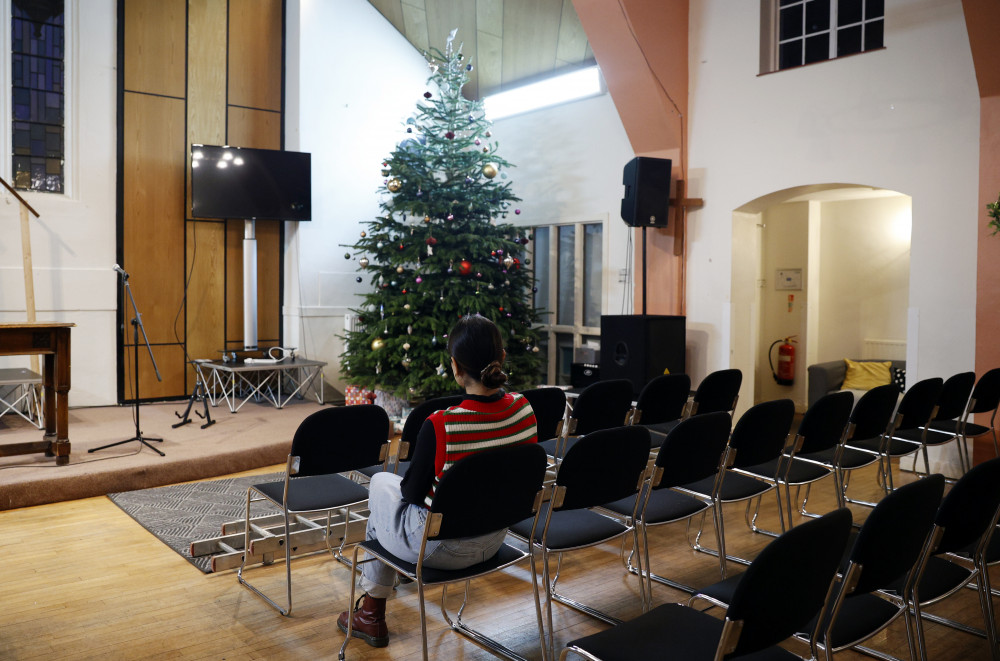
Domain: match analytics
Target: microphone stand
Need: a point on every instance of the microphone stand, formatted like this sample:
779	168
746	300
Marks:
136	327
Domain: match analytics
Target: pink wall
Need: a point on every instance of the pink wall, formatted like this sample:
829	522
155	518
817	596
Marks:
642	49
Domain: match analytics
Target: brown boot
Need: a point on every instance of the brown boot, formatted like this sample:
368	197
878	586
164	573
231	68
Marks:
368	621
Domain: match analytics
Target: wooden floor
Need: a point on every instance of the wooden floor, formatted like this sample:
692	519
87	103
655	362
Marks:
82	580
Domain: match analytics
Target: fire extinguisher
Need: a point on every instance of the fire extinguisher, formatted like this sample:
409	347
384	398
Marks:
785	376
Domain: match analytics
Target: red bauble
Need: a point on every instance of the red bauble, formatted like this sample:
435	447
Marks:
450	135
431	241
465	267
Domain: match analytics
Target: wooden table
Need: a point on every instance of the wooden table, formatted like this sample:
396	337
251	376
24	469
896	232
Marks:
51	340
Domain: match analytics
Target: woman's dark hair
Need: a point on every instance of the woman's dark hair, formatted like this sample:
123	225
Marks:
476	345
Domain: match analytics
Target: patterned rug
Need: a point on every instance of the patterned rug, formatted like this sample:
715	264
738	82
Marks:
180	514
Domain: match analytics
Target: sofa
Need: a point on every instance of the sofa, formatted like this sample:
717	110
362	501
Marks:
828	377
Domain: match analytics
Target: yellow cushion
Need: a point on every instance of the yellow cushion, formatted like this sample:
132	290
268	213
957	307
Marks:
867	375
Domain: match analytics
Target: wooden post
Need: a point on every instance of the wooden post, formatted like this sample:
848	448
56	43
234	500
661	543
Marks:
29	272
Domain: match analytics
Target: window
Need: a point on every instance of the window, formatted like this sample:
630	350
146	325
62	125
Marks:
797	32
37	108
569	289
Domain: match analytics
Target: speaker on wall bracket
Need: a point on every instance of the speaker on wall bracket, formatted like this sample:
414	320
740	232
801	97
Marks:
647	192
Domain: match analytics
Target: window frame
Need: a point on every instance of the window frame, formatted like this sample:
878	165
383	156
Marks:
770	36
577	329
70	56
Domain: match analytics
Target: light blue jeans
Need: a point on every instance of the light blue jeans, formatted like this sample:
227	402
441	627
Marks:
399	527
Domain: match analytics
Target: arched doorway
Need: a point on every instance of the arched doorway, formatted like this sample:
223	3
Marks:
829	264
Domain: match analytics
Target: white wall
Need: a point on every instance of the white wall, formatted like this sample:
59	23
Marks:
864	275
73	240
569	162
904	118
352	82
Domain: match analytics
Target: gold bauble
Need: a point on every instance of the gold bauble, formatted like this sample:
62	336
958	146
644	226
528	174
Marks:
489	171
377	343
399	269
393	185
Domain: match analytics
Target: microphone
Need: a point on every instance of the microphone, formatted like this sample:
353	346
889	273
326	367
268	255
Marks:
120	270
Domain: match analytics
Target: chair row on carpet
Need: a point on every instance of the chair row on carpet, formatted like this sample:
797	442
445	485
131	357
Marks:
596	484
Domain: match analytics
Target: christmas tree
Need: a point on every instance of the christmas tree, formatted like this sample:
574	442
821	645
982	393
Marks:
437	252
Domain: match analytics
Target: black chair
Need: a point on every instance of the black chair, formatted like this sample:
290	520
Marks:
694	450
601	405
603	466
408	437
870	422
885	551
962	531
481	493
869	419
661	402
719	391
757	439
952	402
549	405
784	586
915	410
330	441
985	398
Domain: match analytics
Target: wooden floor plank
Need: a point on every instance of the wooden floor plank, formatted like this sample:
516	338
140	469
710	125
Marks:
82	580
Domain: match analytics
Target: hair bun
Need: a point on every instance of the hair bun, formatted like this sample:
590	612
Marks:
493	376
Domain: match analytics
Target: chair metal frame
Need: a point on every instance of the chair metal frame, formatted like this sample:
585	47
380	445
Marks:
582	483
354	496
754	620
436	521
953	403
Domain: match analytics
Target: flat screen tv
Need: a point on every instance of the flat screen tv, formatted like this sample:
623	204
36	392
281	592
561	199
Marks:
239	182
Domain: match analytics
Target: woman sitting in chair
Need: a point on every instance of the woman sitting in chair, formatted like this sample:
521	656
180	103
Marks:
487	418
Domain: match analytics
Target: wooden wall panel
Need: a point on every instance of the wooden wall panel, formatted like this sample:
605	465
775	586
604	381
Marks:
254	128
207	72
268	282
169	360
153	206
206	303
154	46
255	46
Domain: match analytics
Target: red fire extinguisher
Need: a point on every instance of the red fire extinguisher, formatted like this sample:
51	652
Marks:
785	375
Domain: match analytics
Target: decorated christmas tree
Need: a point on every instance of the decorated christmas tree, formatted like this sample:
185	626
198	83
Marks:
439	249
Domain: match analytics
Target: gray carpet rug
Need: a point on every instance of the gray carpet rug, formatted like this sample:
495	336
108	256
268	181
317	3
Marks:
183	513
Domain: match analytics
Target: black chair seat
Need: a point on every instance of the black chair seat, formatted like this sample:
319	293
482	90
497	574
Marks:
940	578
507	555
860	617
801	472
550	445
659	431
736	486
954	427
687	633
850	459
896	447
315	492
369	471
571	529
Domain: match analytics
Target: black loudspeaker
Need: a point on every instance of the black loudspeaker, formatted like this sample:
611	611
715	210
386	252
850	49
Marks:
640	347
647	191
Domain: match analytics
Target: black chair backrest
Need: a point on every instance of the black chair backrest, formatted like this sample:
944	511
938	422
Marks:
987	392
823	423
603	405
489	490
917	405
955	395
787	584
549	405
693	449
340	439
663	398
761	432
893	535
603	466
967	510
873	412
415	420
718	391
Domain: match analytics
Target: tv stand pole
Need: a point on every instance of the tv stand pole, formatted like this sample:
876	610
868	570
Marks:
249	284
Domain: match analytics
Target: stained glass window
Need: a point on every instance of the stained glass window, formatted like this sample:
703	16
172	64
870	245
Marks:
37	94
